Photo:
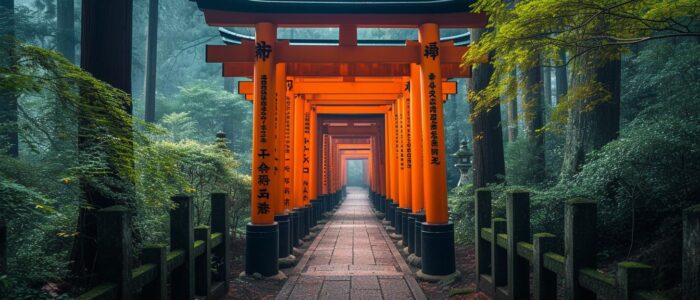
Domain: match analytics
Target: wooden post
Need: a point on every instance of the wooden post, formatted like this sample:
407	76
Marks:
202	284
158	288
579	245
545	281
518	216
482	211
691	252
182	238
3	247
633	276
113	261
499	257
221	223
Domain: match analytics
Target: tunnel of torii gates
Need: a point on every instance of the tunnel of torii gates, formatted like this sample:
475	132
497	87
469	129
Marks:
317	106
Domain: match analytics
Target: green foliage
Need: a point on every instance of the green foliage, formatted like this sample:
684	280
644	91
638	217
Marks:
199	110
520	155
168	168
524	33
61	105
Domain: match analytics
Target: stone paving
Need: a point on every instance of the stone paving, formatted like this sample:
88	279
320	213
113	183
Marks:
352	258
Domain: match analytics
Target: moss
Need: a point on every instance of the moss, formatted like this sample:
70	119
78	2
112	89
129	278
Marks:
599	276
518	191
633	265
198	243
174	254
483	189
99	291
580	201
115	208
544	235
527	246
556	257
499	220
201	227
138	272
693	209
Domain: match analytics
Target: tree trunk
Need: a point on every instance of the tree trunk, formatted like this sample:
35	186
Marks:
512	109
489	165
149	89
561	78
547	88
106	54
591	128
533	112
65	36
8	100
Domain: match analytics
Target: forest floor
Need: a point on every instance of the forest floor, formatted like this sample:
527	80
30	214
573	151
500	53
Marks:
466	284
244	288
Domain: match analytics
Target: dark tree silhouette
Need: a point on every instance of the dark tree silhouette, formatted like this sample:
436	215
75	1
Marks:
106	53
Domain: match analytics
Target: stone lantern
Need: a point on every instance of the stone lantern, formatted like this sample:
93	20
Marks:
464	162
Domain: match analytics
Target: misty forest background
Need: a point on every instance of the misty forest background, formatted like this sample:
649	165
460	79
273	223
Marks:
640	159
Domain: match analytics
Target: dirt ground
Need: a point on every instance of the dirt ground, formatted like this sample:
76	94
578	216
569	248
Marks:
248	288
467	282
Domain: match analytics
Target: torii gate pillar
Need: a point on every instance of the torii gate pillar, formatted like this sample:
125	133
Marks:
437	233
262	233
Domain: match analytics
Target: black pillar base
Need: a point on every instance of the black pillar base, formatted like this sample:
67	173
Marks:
390	212
308	218
328	202
262	249
297	231
382	204
417	235
409	237
398	225
438	249
285	237
404	224
314	212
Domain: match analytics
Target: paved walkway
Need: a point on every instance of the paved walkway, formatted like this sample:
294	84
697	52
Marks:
352	258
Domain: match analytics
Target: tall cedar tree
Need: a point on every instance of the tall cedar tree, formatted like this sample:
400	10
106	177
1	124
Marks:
149	89
594	34
65	36
487	136
9	137
533	113
106	54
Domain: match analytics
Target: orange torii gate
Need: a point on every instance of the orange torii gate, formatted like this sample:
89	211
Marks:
309	100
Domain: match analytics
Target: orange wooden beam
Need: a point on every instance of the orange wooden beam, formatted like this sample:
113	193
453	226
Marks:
349	90
350	110
286	53
245	69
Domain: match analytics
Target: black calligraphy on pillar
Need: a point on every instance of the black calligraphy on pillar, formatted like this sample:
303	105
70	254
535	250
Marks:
262	51
306	157
431	50
263	208
263	108
400	140
408	131
434	140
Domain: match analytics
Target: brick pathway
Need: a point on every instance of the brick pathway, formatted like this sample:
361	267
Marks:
352	258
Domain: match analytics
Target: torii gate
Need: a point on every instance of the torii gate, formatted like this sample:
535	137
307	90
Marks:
401	87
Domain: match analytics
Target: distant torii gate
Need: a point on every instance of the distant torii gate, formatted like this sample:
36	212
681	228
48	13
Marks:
311	104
